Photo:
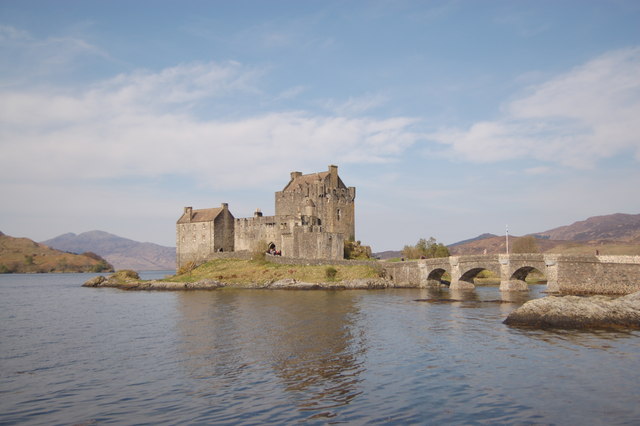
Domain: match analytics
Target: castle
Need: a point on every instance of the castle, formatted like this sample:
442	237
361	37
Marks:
314	216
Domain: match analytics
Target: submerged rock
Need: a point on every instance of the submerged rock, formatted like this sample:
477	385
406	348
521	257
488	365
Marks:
578	312
363	283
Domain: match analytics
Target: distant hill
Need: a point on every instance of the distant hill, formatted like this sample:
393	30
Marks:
614	227
610	234
389	254
478	238
22	255
122	253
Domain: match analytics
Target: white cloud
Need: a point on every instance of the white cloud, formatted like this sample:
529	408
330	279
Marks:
575	119
355	105
141	125
29	59
11	34
541	170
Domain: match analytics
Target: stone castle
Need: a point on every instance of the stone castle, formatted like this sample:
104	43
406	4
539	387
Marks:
314	216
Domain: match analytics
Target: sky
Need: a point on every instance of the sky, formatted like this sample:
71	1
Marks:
451	118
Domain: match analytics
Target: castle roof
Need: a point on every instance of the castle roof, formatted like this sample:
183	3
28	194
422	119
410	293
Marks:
202	215
299	181
303	180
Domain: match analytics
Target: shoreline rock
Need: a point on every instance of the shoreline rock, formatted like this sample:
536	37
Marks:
578	312
125	281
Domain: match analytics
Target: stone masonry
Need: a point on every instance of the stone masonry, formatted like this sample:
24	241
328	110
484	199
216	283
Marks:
566	274
314	216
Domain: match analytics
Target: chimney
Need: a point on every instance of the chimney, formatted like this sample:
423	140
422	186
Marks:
225	206
333	176
188	211
257	213
295	175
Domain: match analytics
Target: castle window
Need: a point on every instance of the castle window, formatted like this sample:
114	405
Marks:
339	214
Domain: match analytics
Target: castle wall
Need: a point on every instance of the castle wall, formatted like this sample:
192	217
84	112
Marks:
249	232
194	242
289	236
312	244
337	209
224	232
315	214
323	196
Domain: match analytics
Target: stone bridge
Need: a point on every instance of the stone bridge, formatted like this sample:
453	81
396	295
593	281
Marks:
564	273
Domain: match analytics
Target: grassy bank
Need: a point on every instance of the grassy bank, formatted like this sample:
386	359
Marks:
236	271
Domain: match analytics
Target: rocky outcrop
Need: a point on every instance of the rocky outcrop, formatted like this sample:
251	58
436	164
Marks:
578	312
126	281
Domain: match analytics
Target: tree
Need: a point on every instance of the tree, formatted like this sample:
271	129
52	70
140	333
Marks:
526	244
355	250
425	249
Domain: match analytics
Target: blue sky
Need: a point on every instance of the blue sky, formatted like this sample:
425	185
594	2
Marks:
452	118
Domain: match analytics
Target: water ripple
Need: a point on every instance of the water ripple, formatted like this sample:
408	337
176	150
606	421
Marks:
70	355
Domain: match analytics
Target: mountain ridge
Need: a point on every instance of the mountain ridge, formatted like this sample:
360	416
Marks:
122	253
23	255
617	233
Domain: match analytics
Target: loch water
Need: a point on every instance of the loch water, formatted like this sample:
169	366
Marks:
84	356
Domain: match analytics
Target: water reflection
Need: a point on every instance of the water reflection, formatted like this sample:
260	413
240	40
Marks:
573	339
306	339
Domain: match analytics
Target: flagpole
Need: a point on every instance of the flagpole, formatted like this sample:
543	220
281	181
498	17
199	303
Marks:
507	237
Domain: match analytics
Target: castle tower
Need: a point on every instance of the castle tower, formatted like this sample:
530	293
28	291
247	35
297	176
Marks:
333	201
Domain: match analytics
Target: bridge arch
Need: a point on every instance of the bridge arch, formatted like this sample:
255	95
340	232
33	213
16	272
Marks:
523	272
471	274
439	276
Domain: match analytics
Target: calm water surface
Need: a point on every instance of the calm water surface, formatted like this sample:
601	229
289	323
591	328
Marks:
73	355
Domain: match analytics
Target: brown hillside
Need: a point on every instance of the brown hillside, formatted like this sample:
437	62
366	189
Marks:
22	255
615	234
122	253
614	227
497	245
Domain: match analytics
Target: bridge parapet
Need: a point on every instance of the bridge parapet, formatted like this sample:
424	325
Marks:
564	273
619	259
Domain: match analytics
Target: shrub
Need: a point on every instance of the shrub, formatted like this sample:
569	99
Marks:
187	268
425	248
355	250
126	275
330	272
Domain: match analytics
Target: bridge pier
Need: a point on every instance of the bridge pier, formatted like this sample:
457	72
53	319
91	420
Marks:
513	285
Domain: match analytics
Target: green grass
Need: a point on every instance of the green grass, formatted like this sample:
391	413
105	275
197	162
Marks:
236	271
